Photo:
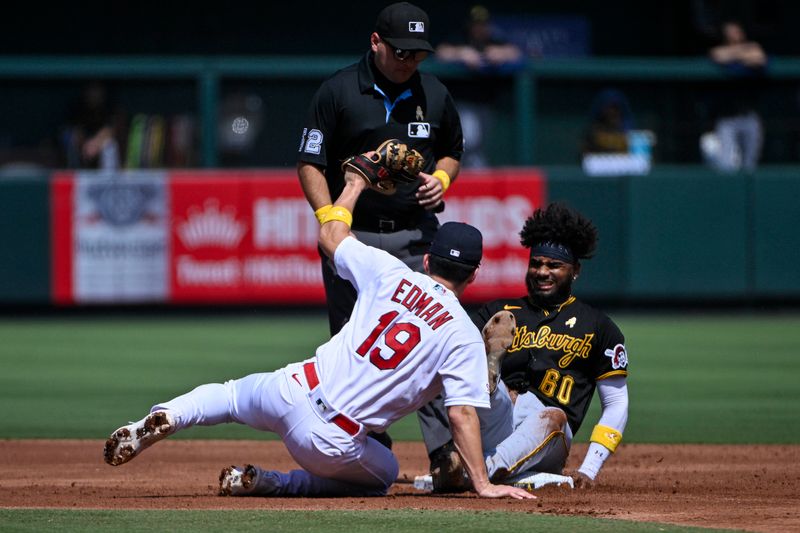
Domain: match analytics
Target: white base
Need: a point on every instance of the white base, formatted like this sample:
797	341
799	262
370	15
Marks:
526	481
540	479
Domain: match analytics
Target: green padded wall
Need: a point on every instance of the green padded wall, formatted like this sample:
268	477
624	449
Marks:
24	240
776	233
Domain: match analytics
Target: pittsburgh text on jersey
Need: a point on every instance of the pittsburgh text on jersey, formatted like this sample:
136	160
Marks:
560	342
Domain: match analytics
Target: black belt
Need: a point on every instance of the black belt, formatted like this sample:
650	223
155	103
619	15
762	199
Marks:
383	225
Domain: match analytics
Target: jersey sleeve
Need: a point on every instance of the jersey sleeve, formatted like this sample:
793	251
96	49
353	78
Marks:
612	356
465	376
319	126
360	264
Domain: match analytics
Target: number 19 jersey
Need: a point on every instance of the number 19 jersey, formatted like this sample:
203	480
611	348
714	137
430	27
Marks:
407	339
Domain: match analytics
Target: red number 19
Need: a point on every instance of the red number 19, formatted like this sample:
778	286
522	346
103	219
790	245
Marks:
400	349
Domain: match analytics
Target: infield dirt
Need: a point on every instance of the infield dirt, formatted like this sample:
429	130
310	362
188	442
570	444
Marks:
754	488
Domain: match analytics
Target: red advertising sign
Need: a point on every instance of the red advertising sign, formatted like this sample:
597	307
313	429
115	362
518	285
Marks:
243	236
250	236
61	194
497	202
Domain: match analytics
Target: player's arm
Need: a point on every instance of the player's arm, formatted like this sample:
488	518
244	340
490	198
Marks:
315	188
431	192
340	216
466	430
607	434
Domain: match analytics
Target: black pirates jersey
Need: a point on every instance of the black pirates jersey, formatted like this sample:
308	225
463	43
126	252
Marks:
559	354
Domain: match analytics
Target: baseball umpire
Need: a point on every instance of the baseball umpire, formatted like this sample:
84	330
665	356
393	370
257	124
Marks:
562	350
409	340
382	97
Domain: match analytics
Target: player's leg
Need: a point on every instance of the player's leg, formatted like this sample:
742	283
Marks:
368	472
239	401
434	425
334	462
251	480
540	441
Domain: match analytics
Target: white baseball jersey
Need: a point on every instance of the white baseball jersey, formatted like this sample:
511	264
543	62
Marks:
407	339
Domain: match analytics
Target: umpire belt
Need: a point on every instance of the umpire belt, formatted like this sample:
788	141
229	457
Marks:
321	405
382	225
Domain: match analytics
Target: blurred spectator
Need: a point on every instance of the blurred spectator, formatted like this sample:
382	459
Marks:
738	133
93	135
480	48
611	146
610	121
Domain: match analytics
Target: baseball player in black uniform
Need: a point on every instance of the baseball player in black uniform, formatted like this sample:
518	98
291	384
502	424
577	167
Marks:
382	97
562	351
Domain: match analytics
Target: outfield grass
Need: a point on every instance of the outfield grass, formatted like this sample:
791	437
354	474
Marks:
411	521
704	379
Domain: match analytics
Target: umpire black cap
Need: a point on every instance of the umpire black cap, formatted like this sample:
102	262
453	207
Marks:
404	26
458	242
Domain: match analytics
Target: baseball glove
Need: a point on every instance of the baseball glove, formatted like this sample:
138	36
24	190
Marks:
498	333
391	163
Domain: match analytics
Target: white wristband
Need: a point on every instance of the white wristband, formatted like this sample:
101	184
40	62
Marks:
594	460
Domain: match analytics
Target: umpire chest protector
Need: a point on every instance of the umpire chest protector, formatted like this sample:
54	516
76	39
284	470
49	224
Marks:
357	109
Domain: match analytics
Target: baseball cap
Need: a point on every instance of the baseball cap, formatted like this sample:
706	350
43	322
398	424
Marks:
458	242
404	26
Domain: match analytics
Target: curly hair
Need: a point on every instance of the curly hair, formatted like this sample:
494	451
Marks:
560	224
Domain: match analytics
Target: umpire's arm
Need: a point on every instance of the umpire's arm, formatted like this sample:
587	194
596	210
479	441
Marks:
312	180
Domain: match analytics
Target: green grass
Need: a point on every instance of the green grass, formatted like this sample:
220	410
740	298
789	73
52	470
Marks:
411	521
704	379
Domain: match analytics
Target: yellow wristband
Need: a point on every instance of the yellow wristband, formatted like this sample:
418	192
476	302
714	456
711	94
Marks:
321	212
606	436
442	176
339	213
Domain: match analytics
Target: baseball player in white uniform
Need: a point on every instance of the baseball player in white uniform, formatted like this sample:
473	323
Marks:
408	340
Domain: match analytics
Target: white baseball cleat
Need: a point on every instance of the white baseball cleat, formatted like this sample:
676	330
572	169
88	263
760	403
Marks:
248	480
536	480
128	441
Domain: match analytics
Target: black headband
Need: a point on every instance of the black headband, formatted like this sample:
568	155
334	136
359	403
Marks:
553	250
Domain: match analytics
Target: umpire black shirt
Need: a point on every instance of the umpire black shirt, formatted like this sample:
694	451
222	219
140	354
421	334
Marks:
356	109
